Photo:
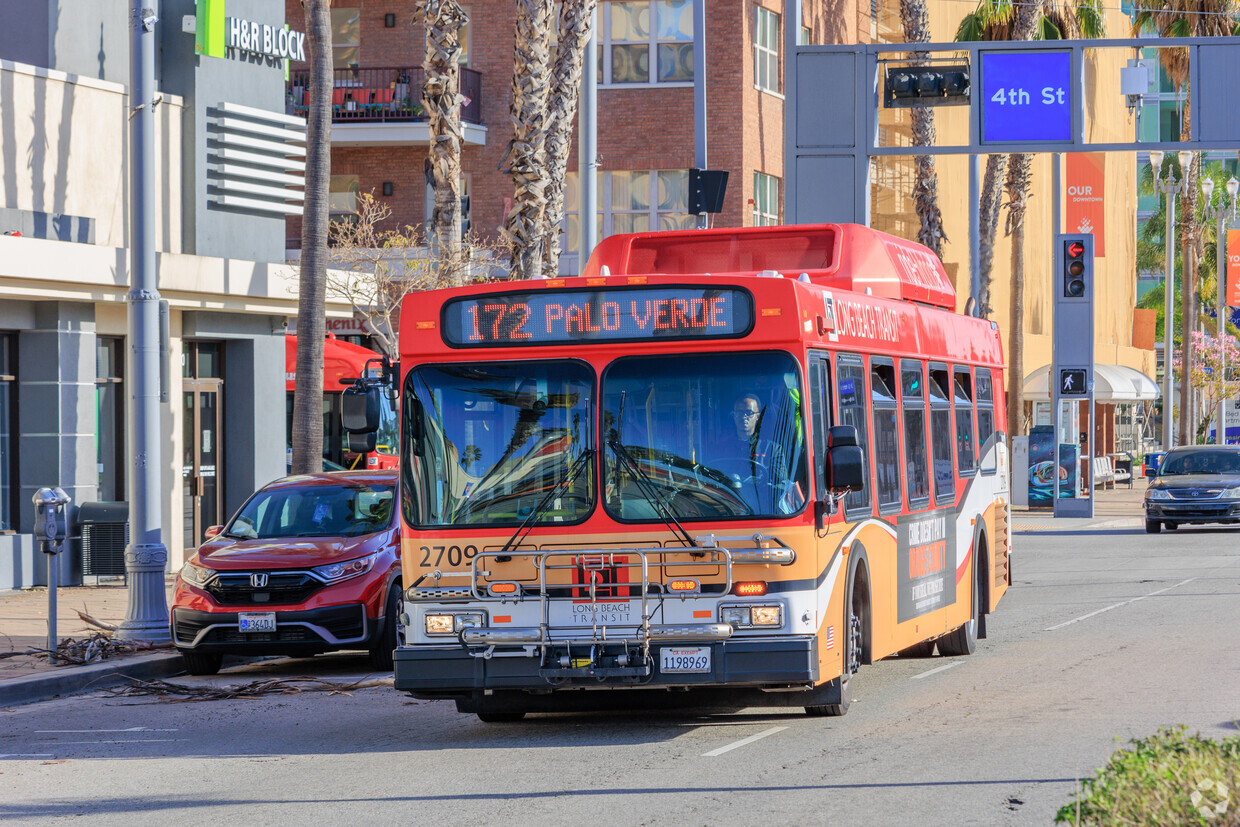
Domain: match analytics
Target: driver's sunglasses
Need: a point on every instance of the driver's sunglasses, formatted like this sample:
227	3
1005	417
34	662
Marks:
744	414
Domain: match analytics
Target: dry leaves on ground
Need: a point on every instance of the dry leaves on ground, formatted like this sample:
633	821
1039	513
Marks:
181	693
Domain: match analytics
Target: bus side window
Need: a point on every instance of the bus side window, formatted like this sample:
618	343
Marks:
850	390
962	386
941	435
986	422
820	413
913	403
886	434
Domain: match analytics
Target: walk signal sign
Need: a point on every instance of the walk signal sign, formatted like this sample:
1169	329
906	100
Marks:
1072	382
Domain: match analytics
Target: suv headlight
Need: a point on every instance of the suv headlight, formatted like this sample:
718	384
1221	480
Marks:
335	572
1157	494
444	624
196	575
1231	493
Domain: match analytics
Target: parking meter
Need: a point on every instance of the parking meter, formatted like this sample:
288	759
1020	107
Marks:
50	527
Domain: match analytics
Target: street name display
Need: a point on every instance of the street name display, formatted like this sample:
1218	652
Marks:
1026	97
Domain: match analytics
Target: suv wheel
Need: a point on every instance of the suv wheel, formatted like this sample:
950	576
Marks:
202	663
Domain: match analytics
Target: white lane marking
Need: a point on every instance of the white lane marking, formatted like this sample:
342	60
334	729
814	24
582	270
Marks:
1117	605
133	741
27	755
936	669
93	731
742	742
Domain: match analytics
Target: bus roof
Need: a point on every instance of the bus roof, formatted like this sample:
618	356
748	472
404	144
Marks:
840	256
341	360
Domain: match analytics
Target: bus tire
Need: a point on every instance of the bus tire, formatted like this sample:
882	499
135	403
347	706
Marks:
201	663
382	649
853	640
963	640
918	650
492	717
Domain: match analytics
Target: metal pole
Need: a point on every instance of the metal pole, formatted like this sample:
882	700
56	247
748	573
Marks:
1168	311
699	92
1220	262
587	150
53	563
975	233
146	558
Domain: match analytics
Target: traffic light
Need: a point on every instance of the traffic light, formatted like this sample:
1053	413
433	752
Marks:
1078	256
909	86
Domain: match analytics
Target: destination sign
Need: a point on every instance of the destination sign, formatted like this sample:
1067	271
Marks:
629	314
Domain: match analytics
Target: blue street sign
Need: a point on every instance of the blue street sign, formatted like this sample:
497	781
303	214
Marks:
1026	97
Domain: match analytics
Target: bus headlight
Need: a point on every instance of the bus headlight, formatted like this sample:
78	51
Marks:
764	616
444	624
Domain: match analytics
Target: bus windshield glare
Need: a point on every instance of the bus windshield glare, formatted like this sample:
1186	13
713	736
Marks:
709	435
485	444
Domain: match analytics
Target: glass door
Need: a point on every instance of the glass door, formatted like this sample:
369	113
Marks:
201	421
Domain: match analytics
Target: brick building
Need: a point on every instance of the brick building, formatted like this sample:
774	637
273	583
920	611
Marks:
645	108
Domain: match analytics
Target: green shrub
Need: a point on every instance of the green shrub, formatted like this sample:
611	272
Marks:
1170	778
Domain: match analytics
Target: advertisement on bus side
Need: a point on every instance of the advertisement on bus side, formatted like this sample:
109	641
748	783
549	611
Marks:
926	562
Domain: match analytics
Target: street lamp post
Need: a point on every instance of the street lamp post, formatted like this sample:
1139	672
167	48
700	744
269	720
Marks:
1170	187
1220	212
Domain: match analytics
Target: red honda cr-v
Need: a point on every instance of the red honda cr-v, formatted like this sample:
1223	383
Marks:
309	564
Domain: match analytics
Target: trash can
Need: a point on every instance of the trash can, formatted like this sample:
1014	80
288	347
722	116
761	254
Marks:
103	532
1123	462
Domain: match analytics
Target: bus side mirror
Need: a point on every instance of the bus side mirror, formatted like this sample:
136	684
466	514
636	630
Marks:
360	410
413	422
362	443
844	468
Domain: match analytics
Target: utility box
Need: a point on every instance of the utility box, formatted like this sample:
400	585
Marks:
103	532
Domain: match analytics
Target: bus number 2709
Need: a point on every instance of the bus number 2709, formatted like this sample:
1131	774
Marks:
455	554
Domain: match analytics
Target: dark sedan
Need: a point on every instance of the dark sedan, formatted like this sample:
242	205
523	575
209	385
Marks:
1195	484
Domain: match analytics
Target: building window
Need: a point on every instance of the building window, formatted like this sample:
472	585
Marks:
804	36
8	388
630	202
766	51
346	38
342	197
765	200
628	42
110	417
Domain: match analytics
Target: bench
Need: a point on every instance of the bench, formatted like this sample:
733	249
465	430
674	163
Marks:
1105	473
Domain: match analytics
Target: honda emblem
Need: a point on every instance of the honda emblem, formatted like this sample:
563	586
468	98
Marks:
259	580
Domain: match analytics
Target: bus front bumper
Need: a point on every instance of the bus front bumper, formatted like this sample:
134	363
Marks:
451	671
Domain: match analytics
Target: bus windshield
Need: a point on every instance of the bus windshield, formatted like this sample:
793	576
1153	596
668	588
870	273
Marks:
485	444
709	435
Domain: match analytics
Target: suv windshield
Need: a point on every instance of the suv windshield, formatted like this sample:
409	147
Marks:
348	510
484	444
1200	462
711	435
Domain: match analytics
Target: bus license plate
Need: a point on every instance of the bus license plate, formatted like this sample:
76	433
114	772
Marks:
683	659
257	621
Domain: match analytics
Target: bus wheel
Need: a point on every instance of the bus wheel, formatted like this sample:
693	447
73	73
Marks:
963	641
500	717
918	650
853	642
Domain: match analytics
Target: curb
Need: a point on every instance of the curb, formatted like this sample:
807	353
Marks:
73	679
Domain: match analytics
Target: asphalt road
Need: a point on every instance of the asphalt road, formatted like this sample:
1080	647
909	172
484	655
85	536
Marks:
1105	636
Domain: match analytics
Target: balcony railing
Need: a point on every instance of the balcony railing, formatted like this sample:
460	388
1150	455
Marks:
367	94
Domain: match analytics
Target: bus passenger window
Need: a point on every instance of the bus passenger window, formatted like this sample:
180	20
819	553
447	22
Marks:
941	436
986	422
964	422
917	472
886	439
850	390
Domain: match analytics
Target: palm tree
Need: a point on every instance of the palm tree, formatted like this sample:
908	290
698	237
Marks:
576	18
444	20
1186	18
915	20
526	153
1004	20
307	434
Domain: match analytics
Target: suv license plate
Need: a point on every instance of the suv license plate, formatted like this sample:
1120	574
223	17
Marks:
257	621
682	659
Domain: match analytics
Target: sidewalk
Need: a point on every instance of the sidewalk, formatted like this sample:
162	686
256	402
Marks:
23	626
23	614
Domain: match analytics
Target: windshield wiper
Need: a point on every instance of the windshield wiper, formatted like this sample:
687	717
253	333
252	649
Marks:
642	480
567	480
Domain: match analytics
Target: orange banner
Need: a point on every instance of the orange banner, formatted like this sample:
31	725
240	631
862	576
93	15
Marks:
1086	190
1233	268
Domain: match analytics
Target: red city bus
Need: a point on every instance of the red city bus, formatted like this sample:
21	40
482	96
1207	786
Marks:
343	362
738	462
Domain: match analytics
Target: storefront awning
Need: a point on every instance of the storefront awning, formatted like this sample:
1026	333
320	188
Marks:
1112	383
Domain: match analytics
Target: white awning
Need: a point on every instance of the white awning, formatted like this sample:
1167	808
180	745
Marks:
1112	383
